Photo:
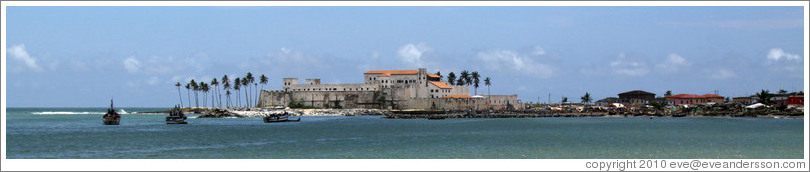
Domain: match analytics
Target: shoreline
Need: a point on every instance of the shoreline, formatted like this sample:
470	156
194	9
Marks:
427	114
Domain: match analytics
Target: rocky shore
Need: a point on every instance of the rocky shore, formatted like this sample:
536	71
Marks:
255	112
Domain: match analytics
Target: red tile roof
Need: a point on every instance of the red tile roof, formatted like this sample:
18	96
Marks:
456	96
393	72
433	76
440	84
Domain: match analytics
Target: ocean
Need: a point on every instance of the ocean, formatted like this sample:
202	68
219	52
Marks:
78	133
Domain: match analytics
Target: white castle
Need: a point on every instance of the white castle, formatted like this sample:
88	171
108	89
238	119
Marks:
396	89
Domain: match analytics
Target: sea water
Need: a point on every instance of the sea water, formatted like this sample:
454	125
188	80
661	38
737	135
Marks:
78	133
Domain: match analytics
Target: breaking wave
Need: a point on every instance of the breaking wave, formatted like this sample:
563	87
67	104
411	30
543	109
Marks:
120	111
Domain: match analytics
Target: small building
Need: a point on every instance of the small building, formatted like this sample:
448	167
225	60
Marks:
795	100
606	102
636	97
742	100
691	99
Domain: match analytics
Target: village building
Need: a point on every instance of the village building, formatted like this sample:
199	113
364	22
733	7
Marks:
691	99
607	102
743	100
636	97
395	89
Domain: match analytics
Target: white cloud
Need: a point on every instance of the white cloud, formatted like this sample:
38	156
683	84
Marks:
777	54
131	64
673	63
18	52
722	74
412	53
508	59
624	66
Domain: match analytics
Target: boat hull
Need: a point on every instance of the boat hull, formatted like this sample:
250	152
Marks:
111	122
279	119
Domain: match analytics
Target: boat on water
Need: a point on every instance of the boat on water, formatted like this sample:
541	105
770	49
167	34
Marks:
112	117
280	117
176	116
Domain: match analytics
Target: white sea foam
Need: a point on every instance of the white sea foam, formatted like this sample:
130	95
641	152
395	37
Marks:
122	111
66	113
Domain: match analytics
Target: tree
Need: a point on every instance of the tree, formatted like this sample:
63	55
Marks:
178	93
263	80
204	88
250	79
764	97
487	82
669	93
460	81
228	96
215	83
475	82
465	77
245	85
196	88
188	93
226	84
451	78
781	91
439	73
564	99
586	98
236	84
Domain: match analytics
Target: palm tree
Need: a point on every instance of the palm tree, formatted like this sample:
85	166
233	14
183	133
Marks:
247	87
764	97
460	81
188	93
204	88
487	82
196	88
215	83
263	80
586	98
226	84
451	78
669	93
465	77
475	82
178	93
781	91
439	73
564	99
249	78
228	95
236	84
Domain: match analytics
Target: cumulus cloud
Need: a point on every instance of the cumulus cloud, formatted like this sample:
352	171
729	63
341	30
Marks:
19	53
515	61
777	54
624	66
131	64
412	53
673	63
782	62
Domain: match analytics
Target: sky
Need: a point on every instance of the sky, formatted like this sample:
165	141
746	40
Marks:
83	56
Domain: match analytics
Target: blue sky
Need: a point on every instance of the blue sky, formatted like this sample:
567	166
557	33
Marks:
82	56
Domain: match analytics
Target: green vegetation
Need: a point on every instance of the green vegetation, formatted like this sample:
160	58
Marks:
587	98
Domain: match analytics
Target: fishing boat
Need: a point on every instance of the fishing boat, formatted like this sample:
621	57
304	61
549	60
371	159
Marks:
280	117
176	116
112	117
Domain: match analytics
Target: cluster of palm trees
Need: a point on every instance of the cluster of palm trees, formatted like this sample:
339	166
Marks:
246	83
467	78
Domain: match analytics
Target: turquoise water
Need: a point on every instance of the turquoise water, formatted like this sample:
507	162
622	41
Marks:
78	133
